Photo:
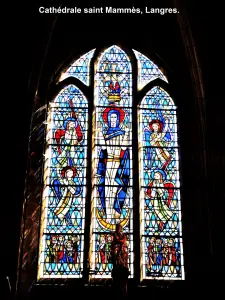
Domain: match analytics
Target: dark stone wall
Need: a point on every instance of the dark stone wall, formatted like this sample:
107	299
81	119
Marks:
178	44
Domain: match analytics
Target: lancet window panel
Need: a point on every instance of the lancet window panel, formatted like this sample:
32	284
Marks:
64	196
160	201
112	201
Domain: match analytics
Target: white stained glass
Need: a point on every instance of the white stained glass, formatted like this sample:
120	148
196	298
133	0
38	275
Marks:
80	69
147	70
160	204
112	190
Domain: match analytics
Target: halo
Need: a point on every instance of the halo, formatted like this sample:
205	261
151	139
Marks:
163	173
69	120
108	109
156	121
63	171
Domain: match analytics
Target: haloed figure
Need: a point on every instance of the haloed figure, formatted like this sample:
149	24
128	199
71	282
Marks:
160	193
66	190
67	140
157	137
114	164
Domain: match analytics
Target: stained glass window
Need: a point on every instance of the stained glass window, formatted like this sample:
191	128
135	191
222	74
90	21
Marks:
80	69
62	223
112	193
147	70
161	230
64	201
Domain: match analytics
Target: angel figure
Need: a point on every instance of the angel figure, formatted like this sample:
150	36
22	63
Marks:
66	189
157	138
160	194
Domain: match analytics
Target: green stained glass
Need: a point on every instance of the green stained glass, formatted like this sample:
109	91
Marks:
64	198
112	201
63	203
161	227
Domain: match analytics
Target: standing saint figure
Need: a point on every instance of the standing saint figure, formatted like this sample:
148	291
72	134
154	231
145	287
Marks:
119	248
66	186
160	194
157	138
113	167
67	140
120	271
66	189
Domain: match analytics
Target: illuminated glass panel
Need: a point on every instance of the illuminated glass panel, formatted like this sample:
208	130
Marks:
112	192
80	69
147	70
63	202
160	207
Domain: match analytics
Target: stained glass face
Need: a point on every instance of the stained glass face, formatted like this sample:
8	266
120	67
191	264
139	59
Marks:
65	172
63	204
80	69
112	192
161	228
147	70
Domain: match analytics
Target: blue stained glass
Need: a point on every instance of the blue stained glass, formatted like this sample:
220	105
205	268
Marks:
158	98
163	257
62	255
160	195
64	186
63	203
113	158
147	70
80	69
114	60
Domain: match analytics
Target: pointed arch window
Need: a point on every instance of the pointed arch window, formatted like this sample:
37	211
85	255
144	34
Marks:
160	207
63	245
112	190
63	201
